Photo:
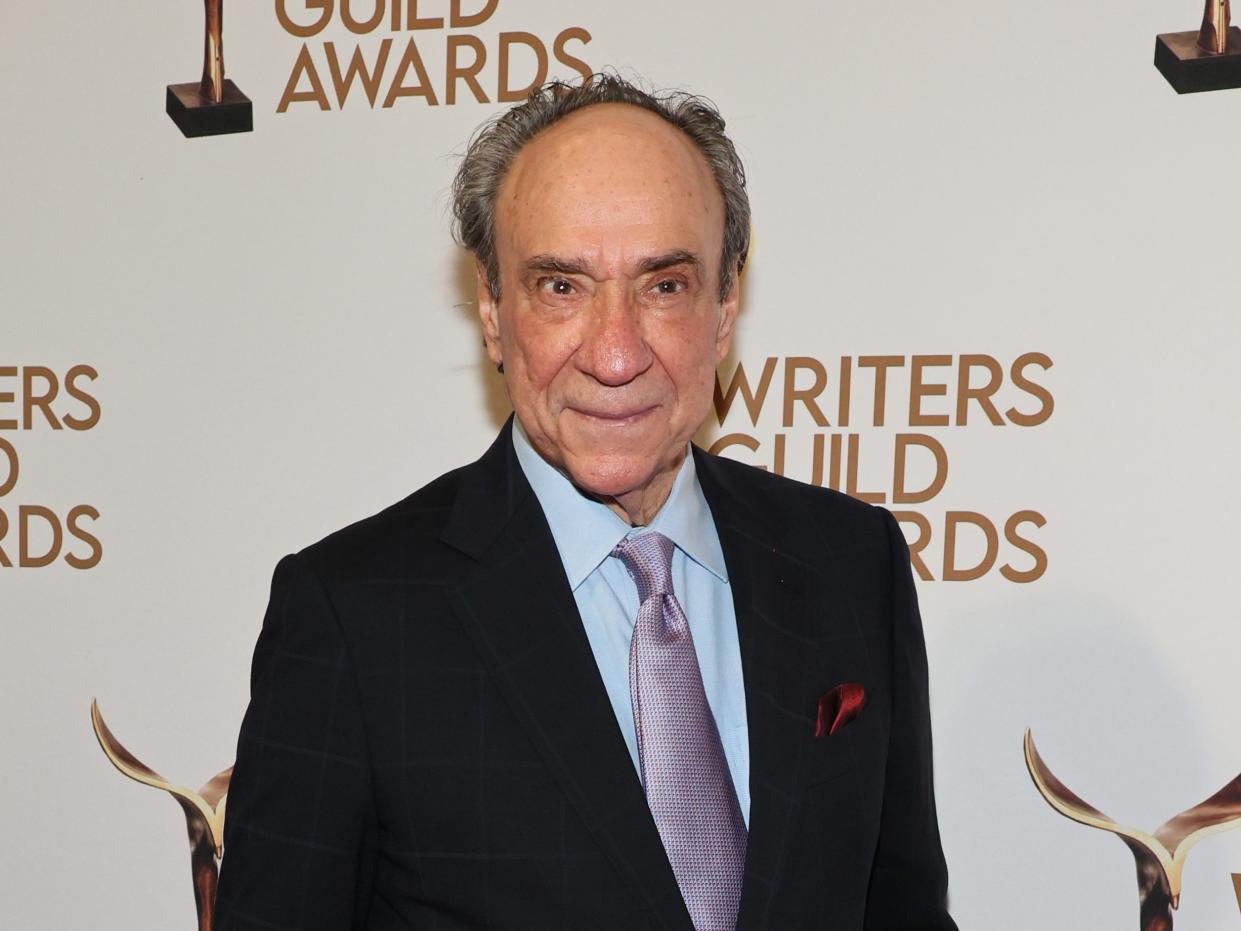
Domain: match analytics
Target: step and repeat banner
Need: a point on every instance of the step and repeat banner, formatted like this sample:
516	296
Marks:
992	288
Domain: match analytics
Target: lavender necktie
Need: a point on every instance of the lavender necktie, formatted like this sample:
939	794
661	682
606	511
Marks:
684	771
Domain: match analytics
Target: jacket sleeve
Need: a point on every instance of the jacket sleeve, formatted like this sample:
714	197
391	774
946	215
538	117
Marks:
909	879
299	821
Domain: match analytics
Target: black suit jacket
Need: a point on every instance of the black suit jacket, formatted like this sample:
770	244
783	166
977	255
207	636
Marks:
429	744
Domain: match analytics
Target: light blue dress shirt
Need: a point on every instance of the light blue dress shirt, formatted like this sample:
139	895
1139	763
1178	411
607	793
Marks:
586	532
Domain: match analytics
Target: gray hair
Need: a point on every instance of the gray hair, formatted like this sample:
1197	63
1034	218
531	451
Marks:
493	147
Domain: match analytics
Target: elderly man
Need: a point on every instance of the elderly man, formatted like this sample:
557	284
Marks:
598	679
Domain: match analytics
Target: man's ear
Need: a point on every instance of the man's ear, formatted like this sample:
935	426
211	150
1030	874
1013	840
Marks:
729	308
488	315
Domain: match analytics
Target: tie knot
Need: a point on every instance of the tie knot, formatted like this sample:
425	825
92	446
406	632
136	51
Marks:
648	558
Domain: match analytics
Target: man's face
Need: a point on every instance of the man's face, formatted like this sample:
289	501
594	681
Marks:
609	228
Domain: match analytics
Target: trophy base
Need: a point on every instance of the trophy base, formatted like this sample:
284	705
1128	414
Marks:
195	115
1189	69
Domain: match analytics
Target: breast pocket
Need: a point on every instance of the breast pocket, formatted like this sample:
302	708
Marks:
849	750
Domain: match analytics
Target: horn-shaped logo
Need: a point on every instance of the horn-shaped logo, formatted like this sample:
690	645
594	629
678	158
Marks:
1160	856
204	814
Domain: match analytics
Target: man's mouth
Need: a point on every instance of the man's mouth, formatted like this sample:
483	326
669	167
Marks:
613	416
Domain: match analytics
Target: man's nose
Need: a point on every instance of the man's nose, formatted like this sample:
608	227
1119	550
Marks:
614	350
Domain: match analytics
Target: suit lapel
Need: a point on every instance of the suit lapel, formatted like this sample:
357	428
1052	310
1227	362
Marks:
518	608
773	593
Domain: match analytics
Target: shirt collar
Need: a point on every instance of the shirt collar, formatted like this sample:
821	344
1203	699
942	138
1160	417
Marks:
587	531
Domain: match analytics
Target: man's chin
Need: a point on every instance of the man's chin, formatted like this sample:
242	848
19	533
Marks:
615	477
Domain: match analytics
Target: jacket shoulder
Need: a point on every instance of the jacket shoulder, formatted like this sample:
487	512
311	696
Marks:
401	537
805	512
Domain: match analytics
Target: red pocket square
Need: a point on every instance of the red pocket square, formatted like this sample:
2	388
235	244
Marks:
838	707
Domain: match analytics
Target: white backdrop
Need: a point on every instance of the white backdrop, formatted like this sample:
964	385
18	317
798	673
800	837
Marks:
283	340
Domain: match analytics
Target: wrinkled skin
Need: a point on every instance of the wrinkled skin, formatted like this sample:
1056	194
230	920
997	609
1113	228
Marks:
610	324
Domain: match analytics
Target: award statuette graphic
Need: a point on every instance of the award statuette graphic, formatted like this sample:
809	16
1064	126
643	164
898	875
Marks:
1206	60
1160	856
204	814
213	106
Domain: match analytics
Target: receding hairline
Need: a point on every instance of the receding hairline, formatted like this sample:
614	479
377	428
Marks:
684	145
495	145
567	123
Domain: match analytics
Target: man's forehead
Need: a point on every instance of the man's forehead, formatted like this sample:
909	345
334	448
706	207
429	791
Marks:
617	146
610	249
616	185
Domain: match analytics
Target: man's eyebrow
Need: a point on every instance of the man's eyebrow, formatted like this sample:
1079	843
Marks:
656	263
545	262
554	263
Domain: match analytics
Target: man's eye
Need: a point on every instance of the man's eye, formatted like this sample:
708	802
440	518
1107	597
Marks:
560	286
669	286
